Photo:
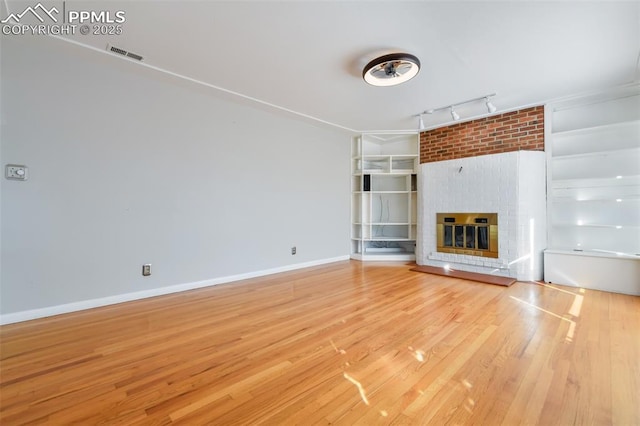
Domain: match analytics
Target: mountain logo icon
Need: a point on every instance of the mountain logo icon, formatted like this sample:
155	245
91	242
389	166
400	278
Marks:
34	11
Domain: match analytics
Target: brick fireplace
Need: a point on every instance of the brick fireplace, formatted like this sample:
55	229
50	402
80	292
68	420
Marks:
496	164
521	130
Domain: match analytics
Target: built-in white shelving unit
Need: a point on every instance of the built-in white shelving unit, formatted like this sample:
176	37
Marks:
593	188
384	196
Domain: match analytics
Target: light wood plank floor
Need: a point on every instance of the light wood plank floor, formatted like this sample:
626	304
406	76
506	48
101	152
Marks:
347	343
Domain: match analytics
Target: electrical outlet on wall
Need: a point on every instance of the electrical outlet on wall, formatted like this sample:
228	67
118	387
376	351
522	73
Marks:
16	172
293	250
146	269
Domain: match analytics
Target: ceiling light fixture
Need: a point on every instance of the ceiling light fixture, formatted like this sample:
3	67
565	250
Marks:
391	69
491	108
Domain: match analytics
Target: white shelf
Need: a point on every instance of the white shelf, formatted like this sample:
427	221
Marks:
387	239
384	257
624	126
385	165
382	239
596	182
593	192
595	189
596	199
599	155
388	192
384	207
594	174
623	163
384	173
385	156
595	225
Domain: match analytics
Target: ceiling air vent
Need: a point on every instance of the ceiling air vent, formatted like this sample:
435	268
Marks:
123	52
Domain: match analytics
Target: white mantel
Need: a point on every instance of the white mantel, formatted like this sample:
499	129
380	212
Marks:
511	184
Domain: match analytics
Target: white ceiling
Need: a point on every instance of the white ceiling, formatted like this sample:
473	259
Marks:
307	57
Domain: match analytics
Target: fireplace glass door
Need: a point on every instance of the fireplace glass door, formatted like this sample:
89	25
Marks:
464	236
468	233
483	238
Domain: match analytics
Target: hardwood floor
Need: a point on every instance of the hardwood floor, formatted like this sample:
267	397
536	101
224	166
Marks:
347	343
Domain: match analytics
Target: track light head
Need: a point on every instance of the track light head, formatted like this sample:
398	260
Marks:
454	114
420	122
490	107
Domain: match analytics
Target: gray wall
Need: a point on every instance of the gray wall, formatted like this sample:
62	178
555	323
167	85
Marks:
129	166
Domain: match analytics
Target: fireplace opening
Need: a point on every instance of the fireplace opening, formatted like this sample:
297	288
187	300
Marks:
473	234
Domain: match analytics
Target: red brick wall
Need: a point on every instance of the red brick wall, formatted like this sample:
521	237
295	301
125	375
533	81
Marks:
511	131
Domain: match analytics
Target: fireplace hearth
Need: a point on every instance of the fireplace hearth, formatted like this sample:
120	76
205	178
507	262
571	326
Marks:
474	234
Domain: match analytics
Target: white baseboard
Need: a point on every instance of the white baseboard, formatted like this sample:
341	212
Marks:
127	297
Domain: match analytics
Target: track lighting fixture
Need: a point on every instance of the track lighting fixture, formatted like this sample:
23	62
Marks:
420	122
454	114
491	108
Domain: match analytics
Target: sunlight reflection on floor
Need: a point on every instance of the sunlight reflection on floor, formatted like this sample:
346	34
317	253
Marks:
340	351
464	385
418	354
572	324
363	396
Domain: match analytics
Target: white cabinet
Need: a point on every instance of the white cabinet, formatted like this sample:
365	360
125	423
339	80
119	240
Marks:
593	188
384	196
